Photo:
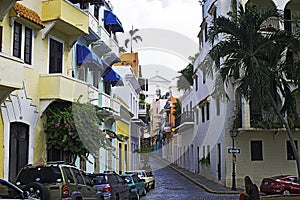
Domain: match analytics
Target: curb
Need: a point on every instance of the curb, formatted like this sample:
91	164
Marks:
195	181
203	186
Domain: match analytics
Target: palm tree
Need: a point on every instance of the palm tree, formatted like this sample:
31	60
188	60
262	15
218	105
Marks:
185	80
134	37
257	57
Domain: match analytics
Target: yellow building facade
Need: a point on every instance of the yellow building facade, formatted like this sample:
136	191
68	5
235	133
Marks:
36	69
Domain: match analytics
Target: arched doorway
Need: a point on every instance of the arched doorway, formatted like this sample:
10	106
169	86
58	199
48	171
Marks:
18	148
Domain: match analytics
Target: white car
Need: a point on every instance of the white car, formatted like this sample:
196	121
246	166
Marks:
10	191
145	175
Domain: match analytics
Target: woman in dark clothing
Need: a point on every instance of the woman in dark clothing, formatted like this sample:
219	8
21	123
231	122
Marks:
251	189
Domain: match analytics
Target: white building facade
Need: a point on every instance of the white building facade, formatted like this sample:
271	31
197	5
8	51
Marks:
202	141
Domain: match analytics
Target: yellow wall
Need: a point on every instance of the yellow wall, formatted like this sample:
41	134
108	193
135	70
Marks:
274	157
123	129
40	62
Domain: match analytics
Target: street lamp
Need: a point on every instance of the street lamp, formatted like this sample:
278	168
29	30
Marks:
233	134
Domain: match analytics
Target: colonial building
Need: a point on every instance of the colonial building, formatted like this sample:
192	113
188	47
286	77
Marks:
53	53
205	137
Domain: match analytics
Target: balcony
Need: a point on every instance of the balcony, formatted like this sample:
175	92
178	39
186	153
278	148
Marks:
107	39
185	120
111	107
11	76
59	86
292	26
166	127
93	29
265	121
5	6
142	109
64	17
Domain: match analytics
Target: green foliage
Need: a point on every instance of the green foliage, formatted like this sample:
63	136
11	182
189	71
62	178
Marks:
134	37
258	57
142	98
251	53
205	160
177	109
185	80
74	128
144	149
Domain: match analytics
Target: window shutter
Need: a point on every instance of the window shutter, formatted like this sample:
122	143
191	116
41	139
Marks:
28	45
17	40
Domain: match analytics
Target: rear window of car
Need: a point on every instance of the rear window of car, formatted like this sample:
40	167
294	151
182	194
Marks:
100	179
135	178
127	179
41	175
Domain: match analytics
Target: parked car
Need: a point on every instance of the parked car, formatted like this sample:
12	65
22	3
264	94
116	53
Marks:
111	185
147	176
56	180
136	185
283	184
10	191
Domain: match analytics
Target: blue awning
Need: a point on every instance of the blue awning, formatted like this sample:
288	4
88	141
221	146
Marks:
112	23
113	77
86	56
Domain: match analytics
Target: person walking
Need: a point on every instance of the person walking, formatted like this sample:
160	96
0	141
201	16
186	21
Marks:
251	190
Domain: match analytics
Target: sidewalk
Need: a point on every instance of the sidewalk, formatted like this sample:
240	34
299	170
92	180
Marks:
216	188
201	181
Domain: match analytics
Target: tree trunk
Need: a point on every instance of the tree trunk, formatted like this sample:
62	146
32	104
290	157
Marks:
289	132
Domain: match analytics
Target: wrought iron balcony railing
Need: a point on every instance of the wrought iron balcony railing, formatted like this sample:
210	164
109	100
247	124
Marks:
187	116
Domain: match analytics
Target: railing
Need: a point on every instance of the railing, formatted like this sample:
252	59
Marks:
93	22
109	102
142	109
184	117
292	26
265	120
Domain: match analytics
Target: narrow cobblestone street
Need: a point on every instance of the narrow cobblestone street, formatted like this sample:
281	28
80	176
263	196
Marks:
172	185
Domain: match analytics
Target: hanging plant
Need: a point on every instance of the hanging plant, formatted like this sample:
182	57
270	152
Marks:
205	160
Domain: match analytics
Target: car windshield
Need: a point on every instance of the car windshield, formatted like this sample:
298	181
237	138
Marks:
42	175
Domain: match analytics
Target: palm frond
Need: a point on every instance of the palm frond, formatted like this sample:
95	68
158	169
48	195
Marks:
138	38
126	42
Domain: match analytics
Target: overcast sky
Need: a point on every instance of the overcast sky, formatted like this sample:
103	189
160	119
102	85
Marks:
183	16
180	18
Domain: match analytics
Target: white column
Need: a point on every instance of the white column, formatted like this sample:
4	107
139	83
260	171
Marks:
245	113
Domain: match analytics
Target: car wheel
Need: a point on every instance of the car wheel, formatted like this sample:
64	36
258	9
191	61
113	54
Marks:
286	192
153	185
117	197
37	190
137	197
144	192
